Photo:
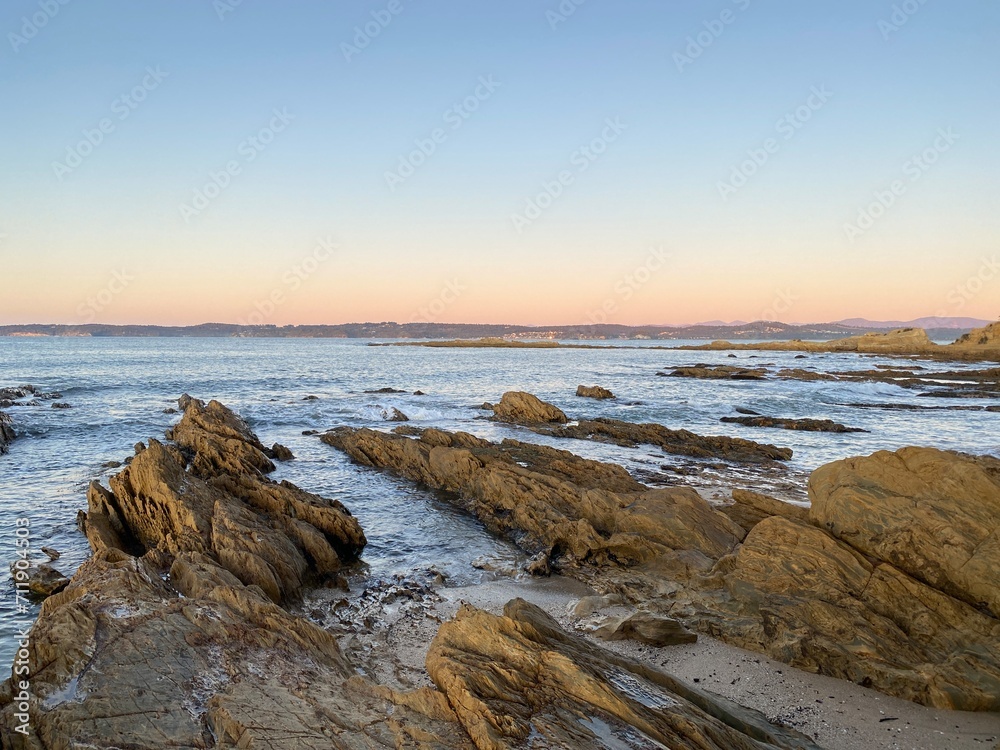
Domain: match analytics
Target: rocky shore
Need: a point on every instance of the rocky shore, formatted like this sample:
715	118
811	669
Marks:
860	587
182	628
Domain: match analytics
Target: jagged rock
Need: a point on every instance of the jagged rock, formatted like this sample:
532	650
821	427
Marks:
272	535
61	405
595	391
170	410
797	373
123	658
7	434
281	453
680	442
794	592
750	508
932	514
43	580
53	554
785	423
719	372
522	408
520	681
645	627
549	500
394	415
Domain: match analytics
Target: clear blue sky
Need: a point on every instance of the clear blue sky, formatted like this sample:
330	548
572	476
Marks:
780	243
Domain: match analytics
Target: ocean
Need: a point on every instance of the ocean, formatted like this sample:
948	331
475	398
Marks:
118	389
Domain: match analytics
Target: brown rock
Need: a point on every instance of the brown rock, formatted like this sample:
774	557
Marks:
719	372
645	627
43	580
523	408
932	514
547	500
679	442
7	433
595	391
785	423
520	680
750	508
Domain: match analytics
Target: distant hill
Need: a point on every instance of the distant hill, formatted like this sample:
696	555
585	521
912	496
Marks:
958	323
766	330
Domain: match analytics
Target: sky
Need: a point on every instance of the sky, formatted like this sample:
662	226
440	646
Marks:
516	161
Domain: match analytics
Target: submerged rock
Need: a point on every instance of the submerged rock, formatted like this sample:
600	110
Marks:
719	372
785	423
679	442
522	408
595	391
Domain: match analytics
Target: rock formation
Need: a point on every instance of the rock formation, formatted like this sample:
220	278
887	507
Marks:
544	499
594	391
520	681
719	372
7	433
172	634
521	408
785	423
888	581
679	442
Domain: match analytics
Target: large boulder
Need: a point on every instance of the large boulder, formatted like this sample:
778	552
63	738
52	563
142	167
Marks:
933	514
518	407
594	391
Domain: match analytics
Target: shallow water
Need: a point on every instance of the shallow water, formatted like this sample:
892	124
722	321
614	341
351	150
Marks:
118	389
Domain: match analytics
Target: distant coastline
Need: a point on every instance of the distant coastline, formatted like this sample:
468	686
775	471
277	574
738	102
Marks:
945	330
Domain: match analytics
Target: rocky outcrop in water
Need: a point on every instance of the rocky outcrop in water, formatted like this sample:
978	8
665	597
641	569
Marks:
521	408
546	500
884	582
785	423
678	442
718	372
594	391
208	494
